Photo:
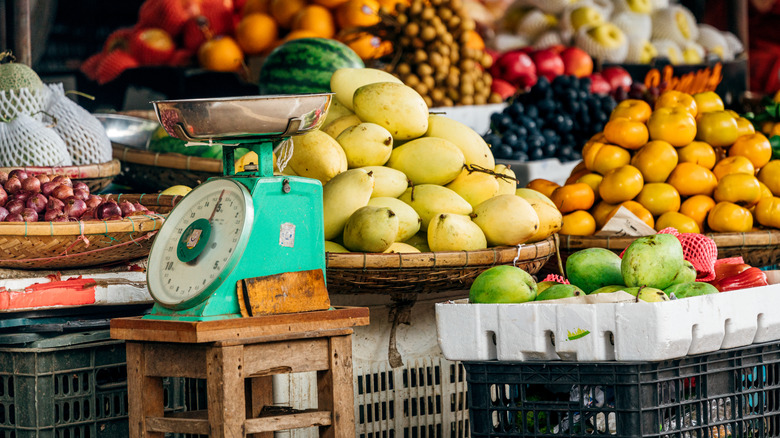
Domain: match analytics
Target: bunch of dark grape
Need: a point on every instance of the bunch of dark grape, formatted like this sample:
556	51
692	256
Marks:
435	59
639	91
551	120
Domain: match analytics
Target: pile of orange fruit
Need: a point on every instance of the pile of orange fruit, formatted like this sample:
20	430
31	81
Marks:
264	24
687	163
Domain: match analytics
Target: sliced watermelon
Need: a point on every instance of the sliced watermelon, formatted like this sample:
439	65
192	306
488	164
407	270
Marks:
305	65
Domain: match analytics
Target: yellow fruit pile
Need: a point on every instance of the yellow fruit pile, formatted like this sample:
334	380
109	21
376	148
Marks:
267	23
396	179
687	163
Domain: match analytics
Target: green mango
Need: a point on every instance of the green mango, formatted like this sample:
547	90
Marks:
558	291
503	284
592	268
651	294
611	288
652	261
686	274
690	289
542	286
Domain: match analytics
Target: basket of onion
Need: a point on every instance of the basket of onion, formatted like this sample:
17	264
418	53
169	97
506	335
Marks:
52	222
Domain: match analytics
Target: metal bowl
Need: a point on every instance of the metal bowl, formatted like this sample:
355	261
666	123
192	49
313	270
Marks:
245	118
129	131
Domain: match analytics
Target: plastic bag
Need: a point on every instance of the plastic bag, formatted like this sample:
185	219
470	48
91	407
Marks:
25	141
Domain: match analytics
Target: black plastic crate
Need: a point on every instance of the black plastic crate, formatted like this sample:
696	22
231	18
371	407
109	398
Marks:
71	391
729	393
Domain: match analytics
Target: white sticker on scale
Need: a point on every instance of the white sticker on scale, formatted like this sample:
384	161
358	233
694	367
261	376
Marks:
287	235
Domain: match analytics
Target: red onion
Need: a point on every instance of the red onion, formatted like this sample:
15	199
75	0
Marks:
93	201
140	207
107	209
55	216
75	207
81	193
31	184
81	185
22	195
3	177
14	217
13	185
3	198
88	215
55	204
3	213
19	173
15	207
29	215
62	179
62	192
37	202
43	178
114	217
48	187
127	208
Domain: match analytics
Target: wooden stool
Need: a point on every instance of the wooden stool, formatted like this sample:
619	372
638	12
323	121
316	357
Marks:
237	357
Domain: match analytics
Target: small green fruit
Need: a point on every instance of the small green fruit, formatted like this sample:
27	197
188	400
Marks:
691	289
541	287
686	274
503	284
592	268
651	295
609	289
559	291
652	261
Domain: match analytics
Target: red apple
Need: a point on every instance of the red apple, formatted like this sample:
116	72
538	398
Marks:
576	62
548	63
617	77
599	85
503	88
515	67
151	46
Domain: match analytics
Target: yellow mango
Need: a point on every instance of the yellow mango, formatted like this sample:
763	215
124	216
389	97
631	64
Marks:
342	196
428	160
506	220
345	81
317	155
371	229
475	187
474	148
430	199
387	182
397	107
454	232
366	144
408	219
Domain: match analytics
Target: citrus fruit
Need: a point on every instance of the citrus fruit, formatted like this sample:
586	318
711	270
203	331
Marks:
221	53
256	33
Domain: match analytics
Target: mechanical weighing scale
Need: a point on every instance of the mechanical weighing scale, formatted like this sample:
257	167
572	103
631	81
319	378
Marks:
247	241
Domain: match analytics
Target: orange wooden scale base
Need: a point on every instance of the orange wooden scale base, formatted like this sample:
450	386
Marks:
237	357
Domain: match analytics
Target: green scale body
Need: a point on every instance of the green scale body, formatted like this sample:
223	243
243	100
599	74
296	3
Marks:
230	228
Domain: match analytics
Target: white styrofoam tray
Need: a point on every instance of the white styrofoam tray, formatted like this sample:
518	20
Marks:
476	117
608	331
550	169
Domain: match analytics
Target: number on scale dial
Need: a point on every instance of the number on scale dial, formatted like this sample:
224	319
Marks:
220	211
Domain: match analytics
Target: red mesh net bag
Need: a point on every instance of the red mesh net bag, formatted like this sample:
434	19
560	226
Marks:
698	249
556	278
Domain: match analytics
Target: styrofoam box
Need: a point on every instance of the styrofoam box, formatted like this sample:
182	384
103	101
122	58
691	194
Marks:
550	169
612	331
476	117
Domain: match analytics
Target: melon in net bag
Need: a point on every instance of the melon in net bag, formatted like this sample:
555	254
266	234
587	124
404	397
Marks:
25	141
84	135
22	101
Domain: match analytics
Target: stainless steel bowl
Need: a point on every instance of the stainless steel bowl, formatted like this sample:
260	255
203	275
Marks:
243	117
129	131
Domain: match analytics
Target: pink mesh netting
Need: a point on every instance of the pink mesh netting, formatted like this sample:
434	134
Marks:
698	249
556	278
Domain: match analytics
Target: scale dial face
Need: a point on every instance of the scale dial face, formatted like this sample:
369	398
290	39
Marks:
200	243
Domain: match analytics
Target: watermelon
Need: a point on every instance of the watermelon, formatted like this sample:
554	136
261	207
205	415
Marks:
305	65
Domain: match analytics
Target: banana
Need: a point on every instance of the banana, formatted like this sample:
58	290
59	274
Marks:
474	148
342	196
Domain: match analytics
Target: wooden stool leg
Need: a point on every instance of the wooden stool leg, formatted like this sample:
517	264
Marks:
225	391
258	393
144	393
334	390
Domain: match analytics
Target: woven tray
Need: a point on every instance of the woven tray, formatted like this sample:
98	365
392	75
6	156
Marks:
96	176
60	245
157	203
355	273
757	248
148	171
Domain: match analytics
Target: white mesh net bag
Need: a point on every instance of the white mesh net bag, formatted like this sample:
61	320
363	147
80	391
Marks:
22	101
84	135
25	141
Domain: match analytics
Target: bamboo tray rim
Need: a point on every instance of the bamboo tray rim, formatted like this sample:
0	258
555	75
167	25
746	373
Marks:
132	224
168	160
98	170
442	259
747	239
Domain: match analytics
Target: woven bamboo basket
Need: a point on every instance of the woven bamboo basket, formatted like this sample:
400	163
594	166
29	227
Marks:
355	273
156	202
148	171
61	245
757	248
96	176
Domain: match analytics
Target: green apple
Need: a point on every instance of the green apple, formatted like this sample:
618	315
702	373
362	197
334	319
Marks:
585	15
503	284
607	35
640	6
